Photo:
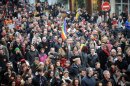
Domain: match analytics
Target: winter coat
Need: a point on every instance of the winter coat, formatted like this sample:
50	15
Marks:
39	81
88	81
31	56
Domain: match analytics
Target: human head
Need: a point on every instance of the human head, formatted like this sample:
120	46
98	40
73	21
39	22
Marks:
106	74
90	71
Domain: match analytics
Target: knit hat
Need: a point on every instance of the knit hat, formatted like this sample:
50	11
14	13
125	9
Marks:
36	58
17	49
66	71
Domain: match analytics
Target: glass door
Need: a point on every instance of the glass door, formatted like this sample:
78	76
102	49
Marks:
118	9
125	8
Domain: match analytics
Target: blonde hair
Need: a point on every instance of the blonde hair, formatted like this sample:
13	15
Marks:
61	52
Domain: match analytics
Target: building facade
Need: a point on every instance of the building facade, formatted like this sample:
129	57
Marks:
117	6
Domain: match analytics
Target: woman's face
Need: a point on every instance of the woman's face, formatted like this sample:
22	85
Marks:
52	74
32	47
76	82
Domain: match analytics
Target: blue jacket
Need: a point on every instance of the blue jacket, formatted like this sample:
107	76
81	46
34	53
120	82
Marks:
127	25
88	81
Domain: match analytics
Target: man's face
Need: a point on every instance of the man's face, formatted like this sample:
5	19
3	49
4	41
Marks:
92	51
90	72
107	75
98	65
60	40
78	62
83	73
44	39
113	53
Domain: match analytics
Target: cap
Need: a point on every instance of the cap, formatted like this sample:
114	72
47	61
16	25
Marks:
66	71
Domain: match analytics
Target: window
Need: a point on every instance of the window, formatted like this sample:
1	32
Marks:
118	9
95	5
125	1
118	1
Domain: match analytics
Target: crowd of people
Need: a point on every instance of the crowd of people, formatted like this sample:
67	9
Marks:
96	51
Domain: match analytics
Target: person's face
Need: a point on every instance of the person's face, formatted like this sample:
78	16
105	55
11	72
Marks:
67	64
8	65
60	40
118	73
78	62
92	51
52	49
113	53
52	74
98	65
58	63
32	47
107	75
42	50
55	38
18	78
76	82
44	39
90	72
29	80
128	52
109	84
17	51
83	73
119	49
70	40
100	84
45	32
66	74
1	51
78	44
52	67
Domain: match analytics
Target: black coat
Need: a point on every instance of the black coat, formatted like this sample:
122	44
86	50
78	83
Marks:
74	70
103	58
105	82
39	81
56	82
92	59
3	61
121	64
30	56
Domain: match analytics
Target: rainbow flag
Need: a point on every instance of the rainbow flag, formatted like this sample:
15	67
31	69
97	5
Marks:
64	31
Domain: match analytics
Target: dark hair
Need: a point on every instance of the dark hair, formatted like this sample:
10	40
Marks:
98	82
73	83
84	49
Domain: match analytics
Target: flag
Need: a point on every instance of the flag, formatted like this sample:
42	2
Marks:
77	16
63	31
